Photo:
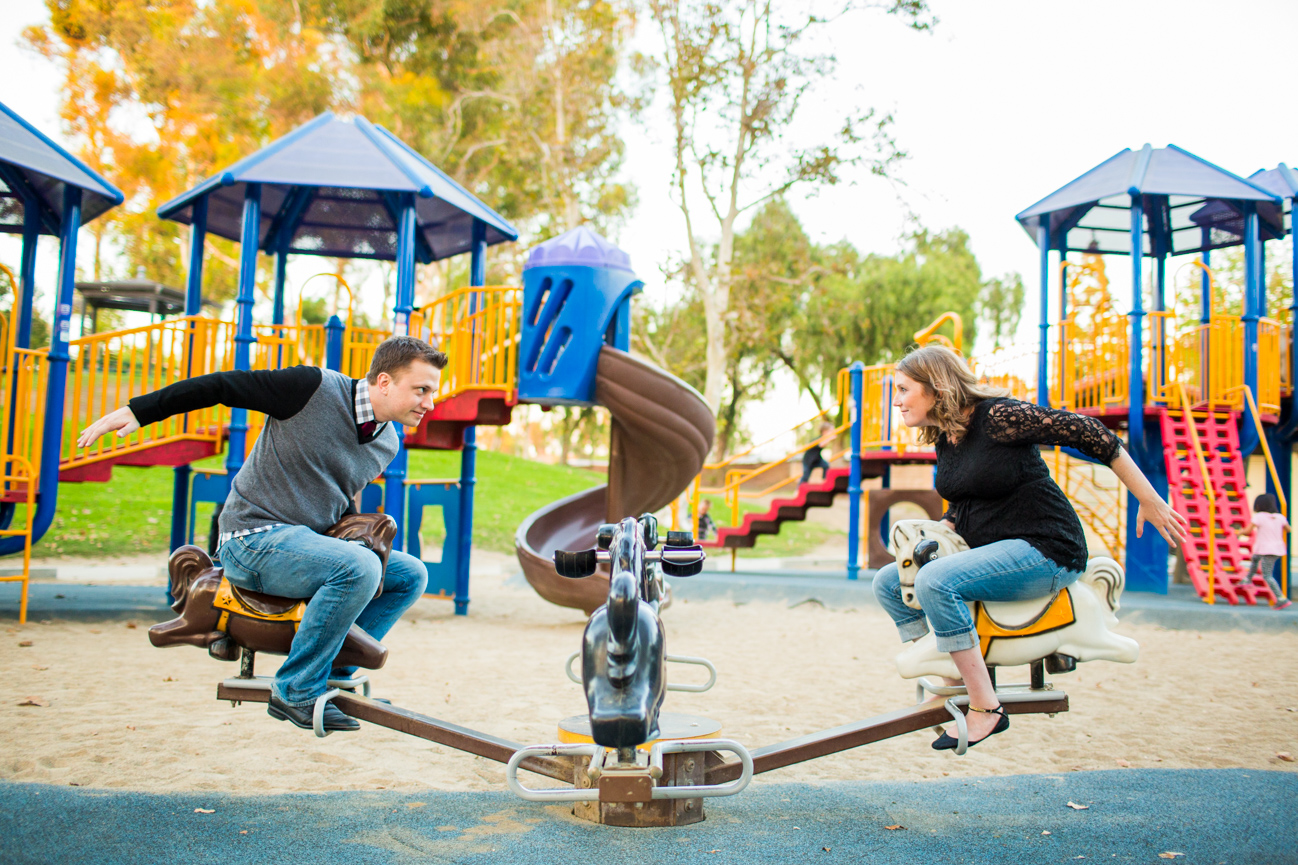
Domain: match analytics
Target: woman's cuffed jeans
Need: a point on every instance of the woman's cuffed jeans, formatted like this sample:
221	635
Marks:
1012	570
340	578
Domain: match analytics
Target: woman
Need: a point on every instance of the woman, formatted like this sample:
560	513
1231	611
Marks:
1025	539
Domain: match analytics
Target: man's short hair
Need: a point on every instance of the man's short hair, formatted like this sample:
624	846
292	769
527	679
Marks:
397	352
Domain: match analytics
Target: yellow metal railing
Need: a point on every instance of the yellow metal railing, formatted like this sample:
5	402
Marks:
107	370
16	475
1275	482
1209	530
734	479
479	329
24	420
880	430
930	334
1269	365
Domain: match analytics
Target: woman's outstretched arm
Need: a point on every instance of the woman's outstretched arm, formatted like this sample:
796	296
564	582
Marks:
1153	510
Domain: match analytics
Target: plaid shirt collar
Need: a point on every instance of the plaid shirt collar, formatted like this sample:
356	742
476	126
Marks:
364	408
366	429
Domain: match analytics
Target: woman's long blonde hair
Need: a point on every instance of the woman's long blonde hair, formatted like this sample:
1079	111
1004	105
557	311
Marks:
946	376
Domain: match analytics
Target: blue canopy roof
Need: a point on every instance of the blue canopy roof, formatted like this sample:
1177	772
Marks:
32	163
580	247
1190	205
1281	180
330	188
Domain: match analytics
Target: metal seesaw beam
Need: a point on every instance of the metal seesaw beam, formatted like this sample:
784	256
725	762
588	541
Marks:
909	720
424	727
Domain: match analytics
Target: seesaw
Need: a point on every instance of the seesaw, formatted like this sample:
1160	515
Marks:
626	762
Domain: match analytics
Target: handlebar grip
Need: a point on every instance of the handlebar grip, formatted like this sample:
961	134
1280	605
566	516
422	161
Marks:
684	569
575	564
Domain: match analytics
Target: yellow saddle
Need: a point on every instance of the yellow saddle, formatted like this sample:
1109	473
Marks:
230	599
1054	614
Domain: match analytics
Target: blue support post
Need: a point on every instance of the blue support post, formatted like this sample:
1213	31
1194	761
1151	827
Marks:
180	506
394	476
405	300
334	330
1205	316
281	276
243	338
56	387
197	246
1043	347
26	289
857	374
1248	438
1135	381
469	456
1205	286
1063	328
1147	555
27	271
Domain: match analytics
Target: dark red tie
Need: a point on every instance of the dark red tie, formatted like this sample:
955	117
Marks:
367	429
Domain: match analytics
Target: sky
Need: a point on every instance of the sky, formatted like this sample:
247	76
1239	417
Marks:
1001	104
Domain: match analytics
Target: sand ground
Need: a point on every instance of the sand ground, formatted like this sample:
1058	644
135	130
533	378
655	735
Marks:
116	713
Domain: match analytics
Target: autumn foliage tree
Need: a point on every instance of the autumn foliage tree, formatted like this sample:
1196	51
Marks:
517	102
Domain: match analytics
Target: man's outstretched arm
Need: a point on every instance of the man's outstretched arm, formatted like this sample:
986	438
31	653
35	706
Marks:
279	393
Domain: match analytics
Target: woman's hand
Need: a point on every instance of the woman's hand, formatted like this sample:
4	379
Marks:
123	421
1172	526
1154	510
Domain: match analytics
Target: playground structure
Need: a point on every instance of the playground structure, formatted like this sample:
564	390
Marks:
562	338
1196	395
1230	373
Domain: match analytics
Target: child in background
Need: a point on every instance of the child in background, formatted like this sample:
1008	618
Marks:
1269	545
707	528
813	458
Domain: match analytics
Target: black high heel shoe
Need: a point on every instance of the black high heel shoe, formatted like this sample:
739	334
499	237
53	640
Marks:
947	742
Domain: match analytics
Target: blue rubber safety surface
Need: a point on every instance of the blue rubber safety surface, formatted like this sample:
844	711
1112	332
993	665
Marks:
1211	817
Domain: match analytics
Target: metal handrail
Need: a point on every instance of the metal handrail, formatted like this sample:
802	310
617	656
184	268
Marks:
1275	480
929	334
16	470
479	328
1210	531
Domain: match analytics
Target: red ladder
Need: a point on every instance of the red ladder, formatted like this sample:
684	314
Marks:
1219	439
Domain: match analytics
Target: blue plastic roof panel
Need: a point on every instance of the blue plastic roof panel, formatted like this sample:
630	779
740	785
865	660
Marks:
580	247
1281	180
32	163
331	187
1183	196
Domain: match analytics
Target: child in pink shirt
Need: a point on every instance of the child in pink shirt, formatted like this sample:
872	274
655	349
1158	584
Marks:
1269	545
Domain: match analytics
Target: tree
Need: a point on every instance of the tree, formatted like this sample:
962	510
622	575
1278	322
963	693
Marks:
736	74
518	103
1000	307
868	308
160	93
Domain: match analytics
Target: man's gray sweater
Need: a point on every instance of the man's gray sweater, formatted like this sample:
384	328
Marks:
310	459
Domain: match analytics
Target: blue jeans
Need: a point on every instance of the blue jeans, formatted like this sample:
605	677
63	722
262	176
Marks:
340	578
1012	570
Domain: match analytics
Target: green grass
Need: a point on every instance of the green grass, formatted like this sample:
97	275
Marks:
131	514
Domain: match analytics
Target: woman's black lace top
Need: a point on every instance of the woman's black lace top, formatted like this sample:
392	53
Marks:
998	484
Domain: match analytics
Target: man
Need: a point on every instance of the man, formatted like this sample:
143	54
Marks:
326	437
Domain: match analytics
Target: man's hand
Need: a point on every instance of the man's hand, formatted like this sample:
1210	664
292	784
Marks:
123	421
